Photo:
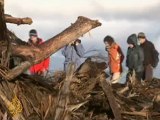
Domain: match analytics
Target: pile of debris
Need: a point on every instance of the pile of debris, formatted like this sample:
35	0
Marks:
82	94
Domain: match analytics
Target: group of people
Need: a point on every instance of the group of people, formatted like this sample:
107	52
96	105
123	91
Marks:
140	57
72	53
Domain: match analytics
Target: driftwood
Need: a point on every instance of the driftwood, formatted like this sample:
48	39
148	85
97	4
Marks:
141	113
2	22
18	21
111	99
81	26
79	95
62	112
83	94
4	39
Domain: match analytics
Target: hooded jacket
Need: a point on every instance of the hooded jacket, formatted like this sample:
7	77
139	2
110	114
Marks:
135	55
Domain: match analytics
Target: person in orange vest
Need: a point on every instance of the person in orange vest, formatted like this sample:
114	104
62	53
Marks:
116	58
40	68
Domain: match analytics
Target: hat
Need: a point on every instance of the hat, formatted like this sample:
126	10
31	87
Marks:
141	35
33	32
108	39
132	39
78	40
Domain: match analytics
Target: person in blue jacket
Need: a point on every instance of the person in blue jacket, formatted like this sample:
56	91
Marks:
73	52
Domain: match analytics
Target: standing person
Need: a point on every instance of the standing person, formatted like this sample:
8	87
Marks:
149	56
135	58
115	58
73	52
40	68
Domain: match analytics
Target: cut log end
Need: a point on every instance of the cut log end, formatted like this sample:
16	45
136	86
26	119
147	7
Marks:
95	23
18	21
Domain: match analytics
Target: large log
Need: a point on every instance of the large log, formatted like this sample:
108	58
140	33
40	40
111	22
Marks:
38	54
110	96
63	100
2	21
76	30
4	39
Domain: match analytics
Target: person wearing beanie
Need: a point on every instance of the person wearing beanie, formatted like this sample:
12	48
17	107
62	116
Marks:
134	59
148	48
42	67
115	58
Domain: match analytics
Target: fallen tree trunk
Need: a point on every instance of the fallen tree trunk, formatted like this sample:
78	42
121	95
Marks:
63	99
38	54
111	99
46	49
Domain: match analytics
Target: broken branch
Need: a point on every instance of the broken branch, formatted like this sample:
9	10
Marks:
18	21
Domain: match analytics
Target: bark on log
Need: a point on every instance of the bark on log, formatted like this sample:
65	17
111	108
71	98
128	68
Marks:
18	21
145	114
109	94
2	2
63	100
76	30
2	22
4	39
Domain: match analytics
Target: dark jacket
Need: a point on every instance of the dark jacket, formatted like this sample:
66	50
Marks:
135	55
148	49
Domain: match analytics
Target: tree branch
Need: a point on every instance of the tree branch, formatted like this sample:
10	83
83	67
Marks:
18	21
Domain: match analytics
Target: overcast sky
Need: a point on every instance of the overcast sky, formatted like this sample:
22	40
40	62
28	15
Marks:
119	18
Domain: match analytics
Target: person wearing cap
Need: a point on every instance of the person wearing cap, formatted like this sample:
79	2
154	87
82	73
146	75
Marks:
134	59
148	48
116	58
42	67
73	52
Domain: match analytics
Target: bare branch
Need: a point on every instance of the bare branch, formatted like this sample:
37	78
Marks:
18	21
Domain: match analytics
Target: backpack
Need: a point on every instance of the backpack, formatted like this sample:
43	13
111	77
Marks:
155	58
